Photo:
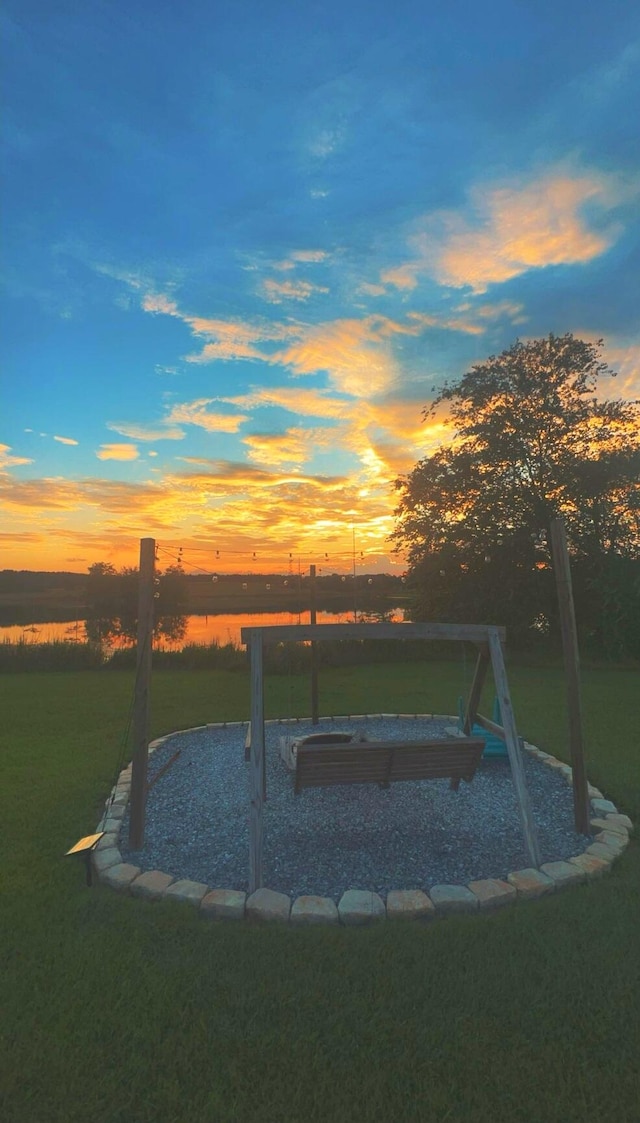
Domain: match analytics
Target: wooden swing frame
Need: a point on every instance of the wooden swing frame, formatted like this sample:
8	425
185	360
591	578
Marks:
488	639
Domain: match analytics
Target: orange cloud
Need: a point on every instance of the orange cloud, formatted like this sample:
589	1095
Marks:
350	353
117	452
401	277
514	228
196	413
295	446
298	400
7	461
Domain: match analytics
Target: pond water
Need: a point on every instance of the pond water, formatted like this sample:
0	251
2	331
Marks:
218	628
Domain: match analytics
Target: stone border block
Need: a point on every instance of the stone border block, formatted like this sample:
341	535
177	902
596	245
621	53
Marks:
599	850
619	822
492	893
223	904
562	873
104	859
409	904
598	825
613	840
120	877
309	909
360	906
151	885
530	883
603	807
185	890
267	906
590	865
453	898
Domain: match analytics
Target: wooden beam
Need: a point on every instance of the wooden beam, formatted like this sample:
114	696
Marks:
482	666
257	774
315	719
562	569
513	748
491	726
282	633
139	762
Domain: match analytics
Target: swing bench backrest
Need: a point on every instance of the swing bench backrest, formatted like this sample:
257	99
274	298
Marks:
385	762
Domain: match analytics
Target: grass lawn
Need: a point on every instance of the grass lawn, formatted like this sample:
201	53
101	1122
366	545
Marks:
114	1010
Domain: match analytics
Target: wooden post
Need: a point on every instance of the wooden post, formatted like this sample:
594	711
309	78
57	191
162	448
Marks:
475	693
513	749
562	569
141	695
257	773
315	719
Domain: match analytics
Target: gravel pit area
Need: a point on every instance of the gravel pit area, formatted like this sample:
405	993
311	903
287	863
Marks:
412	835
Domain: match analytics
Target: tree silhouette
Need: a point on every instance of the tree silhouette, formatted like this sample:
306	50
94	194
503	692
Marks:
532	439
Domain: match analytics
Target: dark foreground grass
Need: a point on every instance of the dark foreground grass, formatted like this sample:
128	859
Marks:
115	1010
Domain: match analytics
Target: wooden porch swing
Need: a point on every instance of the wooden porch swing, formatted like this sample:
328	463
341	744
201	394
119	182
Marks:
386	762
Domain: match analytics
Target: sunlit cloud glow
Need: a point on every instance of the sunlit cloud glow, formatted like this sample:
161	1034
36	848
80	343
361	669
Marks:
512	228
117	452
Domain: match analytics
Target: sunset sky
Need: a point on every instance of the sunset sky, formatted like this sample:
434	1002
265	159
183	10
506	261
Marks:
242	242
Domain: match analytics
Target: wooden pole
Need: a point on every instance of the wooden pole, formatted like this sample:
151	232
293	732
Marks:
257	774
475	693
141	696
562	569
513	748
315	719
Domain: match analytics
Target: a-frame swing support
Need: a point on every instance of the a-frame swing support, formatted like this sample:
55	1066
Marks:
489	640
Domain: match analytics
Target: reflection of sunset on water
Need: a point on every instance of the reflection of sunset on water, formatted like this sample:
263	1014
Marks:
219	628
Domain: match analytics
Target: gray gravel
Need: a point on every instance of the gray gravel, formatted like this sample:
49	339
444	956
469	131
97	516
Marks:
327	840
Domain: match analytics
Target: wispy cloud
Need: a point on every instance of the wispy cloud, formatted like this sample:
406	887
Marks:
160	303
557	219
117	452
9	461
66	440
139	432
278	291
296	399
196	413
304	257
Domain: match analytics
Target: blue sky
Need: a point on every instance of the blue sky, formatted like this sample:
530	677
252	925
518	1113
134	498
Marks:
243	242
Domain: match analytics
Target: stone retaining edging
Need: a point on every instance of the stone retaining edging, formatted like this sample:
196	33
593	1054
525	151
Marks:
357	906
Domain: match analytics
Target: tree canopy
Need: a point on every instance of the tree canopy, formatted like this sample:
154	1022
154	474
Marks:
532	437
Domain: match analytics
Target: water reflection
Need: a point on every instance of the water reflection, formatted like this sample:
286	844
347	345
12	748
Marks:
175	631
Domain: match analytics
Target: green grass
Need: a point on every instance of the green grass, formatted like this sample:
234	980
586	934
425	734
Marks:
114	1010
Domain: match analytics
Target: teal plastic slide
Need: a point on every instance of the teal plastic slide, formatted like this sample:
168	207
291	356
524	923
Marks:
493	746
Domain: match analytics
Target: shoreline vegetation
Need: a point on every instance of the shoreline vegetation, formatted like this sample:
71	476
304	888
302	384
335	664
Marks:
28	597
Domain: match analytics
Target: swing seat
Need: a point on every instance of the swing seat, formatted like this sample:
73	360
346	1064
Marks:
386	762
